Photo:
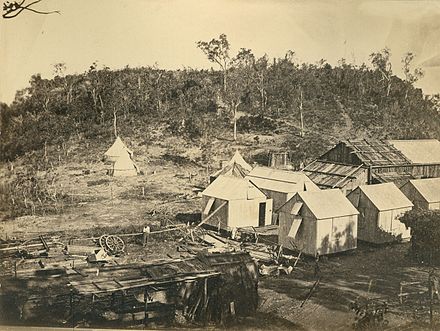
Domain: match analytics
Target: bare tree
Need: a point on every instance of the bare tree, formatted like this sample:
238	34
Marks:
381	62
217	51
13	9
410	77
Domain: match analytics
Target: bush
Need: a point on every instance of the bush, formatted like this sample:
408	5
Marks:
425	234
257	123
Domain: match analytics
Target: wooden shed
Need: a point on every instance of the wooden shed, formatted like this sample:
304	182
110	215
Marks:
230	202
424	193
280	185
380	206
322	222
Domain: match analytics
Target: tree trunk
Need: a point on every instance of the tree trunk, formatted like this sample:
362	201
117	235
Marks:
115	122
301	133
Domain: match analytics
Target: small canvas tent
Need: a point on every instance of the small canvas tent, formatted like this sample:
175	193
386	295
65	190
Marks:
280	185
236	167
124	166
235	202
380	207
322	222
116	150
424	193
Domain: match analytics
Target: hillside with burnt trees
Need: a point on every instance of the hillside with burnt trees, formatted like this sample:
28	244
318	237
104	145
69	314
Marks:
309	105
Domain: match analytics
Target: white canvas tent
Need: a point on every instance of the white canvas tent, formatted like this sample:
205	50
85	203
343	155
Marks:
237	167
424	193
323	222
280	185
235	202
124	166
116	150
380	207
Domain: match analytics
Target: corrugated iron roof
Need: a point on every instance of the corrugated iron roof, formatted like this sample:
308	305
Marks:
386	196
420	150
233	188
376	152
328	203
392	177
281	180
429	188
333	175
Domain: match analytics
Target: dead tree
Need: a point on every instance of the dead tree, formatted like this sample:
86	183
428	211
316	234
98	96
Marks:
13	9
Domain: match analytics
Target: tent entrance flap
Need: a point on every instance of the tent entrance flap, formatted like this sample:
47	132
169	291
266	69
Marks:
208	206
295	227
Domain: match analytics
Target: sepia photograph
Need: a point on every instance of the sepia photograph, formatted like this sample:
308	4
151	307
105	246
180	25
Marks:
220	165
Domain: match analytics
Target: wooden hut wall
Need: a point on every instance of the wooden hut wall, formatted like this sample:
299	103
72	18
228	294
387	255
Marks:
341	154
279	198
417	170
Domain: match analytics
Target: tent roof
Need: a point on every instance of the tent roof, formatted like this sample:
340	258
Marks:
237	158
386	196
328	203
281	180
419	150
233	188
118	148
234	169
429	188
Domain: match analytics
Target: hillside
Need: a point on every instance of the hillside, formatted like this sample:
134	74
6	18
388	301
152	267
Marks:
181	122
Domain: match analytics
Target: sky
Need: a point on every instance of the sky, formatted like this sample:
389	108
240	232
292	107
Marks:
117	33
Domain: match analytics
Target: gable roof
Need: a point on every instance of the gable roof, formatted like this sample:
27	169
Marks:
236	166
332	175
376	152
328	203
429	188
118	148
234	169
233	188
281	180
386	196
419	150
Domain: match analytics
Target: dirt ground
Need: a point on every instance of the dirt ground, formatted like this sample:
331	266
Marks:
167	190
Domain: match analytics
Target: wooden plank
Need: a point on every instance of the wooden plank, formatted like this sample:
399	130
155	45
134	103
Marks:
212	214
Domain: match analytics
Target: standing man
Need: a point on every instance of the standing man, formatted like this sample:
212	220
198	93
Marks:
145	235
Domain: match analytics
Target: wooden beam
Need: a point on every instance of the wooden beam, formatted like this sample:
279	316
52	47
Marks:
212	214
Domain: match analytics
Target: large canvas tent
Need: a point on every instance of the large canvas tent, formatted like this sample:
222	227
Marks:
280	185
380	206
230	202
424	193
236	167
318	222
116	150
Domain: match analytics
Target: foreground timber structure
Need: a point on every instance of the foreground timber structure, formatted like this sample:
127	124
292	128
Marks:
207	288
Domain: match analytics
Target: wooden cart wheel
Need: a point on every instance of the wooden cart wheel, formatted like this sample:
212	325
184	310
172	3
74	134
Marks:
102	241
115	244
